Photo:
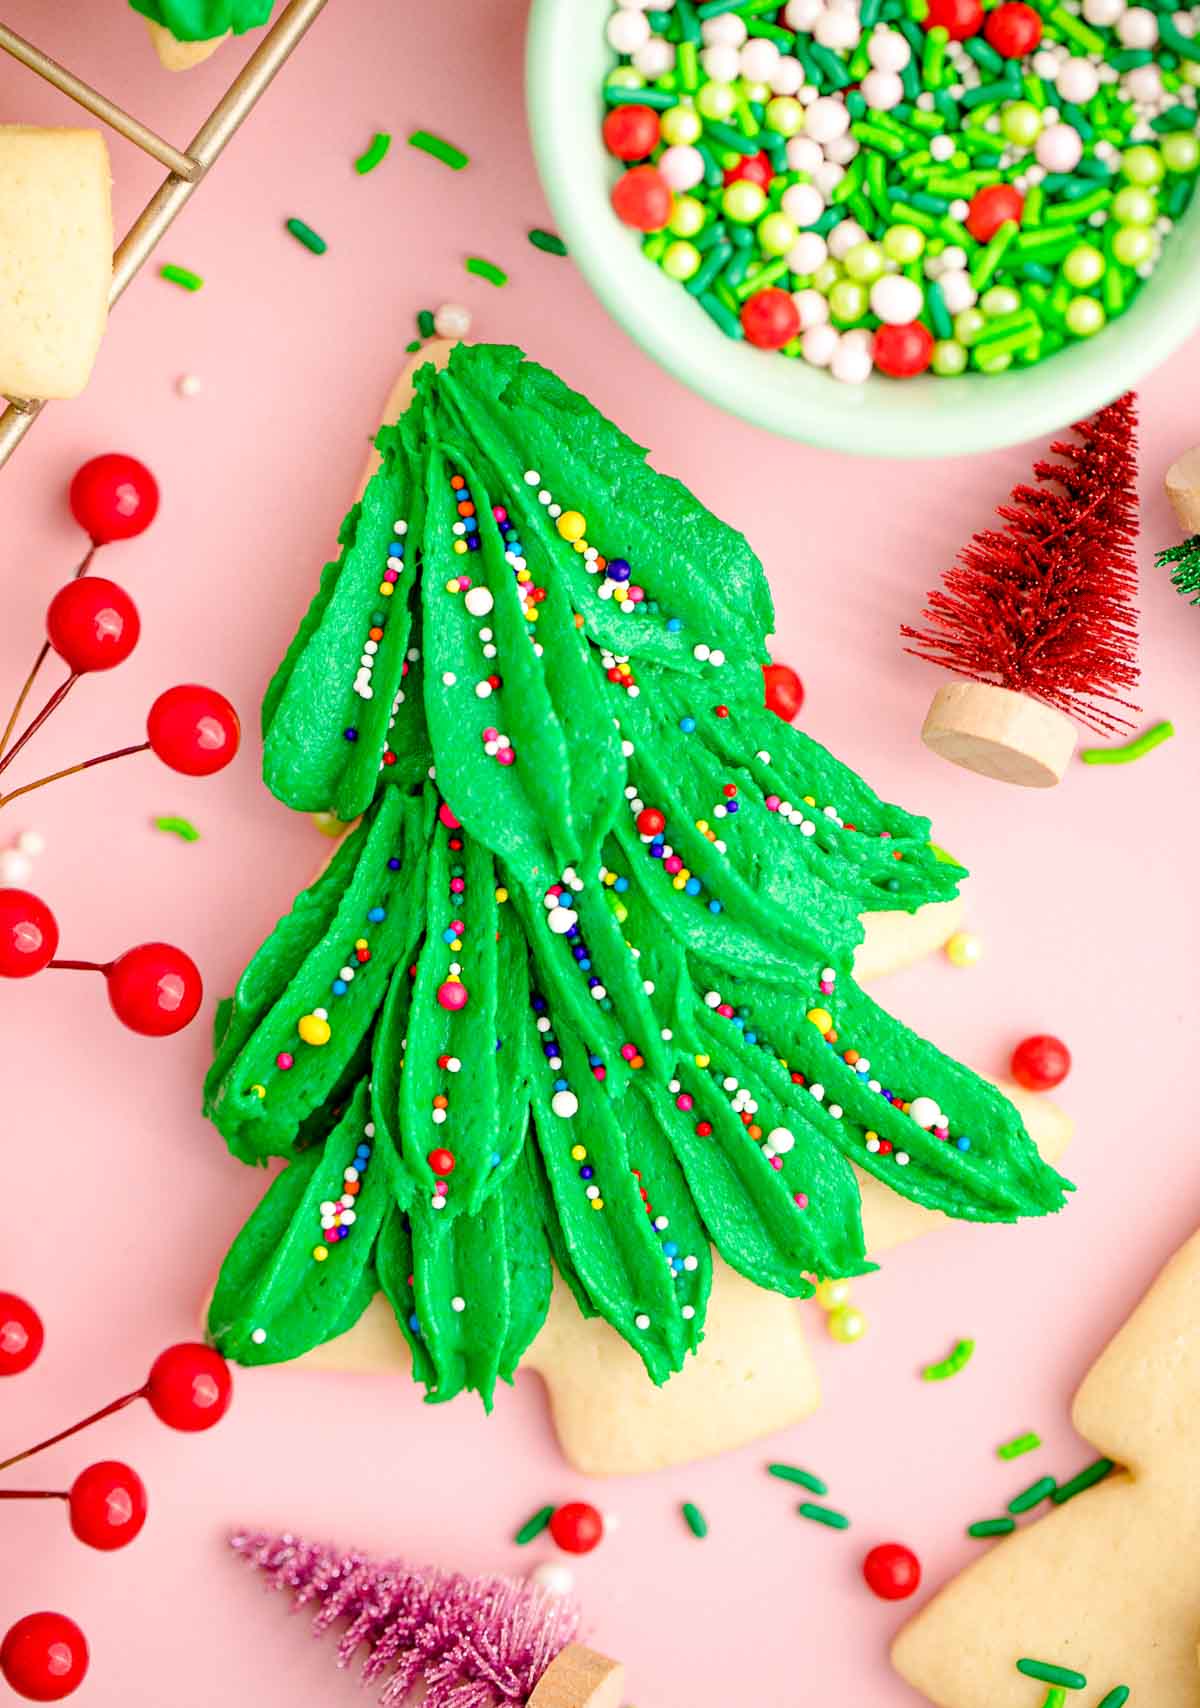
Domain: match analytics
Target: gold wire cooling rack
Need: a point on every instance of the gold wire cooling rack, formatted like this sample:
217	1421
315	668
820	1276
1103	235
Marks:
185	170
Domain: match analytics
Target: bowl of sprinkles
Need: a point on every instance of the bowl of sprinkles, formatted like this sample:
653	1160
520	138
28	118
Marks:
895	227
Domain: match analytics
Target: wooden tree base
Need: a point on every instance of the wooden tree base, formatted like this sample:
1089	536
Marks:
580	1678
1183	489
999	734
177	55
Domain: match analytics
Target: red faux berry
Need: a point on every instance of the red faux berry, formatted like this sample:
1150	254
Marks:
990	207
44	1657
770	319
650	822
960	18
154	989
577	1527
1013	29
113	497
189	1386
631	133
21	1334
28	934
641	197
784	691
892	1571
751	169
441	1161
903	351
194	730
92	624
1041	1062
107	1504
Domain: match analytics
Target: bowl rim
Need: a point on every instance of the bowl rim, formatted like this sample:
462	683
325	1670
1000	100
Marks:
958	419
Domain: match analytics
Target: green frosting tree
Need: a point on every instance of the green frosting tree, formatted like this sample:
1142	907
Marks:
201	20
576	992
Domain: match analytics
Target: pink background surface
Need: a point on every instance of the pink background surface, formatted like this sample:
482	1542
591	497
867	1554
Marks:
119	1199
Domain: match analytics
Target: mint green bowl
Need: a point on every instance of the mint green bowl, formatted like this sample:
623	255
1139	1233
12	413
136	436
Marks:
567	62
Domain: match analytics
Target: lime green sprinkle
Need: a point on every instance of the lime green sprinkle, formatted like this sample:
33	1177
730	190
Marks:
1055	1697
178	827
695	1519
1019	1444
441	150
305	234
370	158
548	241
793	1474
534	1526
957	1360
1032	1496
824	1515
486	270
181	276
1131	750
992	1527
1086	1479
1046	1673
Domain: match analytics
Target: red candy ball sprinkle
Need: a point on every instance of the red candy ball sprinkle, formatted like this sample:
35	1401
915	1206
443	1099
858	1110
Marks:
189	1386
892	1571
577	1527
441	1161
28	934
107	1504
1013	29
92	624
154	989
990	207
44	1657
1041	1062
113	497
903	351
194	730
959	18
21	1334
642	198
631	133
650	822
784	691
770	319
751	169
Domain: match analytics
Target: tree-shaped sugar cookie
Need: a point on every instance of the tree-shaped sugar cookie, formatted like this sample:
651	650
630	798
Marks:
1107	1584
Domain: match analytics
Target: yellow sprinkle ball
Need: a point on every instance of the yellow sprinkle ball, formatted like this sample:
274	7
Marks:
452	584
578	1153
620	913
596	1203
360	943
259	1090
460	546
702	824
385	589
320	1253
821	1018
963	949
502	895
847	1324
571	525
810	800
314	1031
832	1295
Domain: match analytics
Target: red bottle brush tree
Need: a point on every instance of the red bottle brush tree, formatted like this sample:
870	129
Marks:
1038	614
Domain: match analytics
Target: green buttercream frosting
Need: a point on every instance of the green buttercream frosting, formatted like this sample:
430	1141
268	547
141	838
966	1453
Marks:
576	992
201	20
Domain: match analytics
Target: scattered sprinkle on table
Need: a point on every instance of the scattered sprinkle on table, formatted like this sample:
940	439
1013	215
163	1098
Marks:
305	234
1134	749
425	323
1033	1496
180	276
793	1474
189	385
370	158
824	1515
549	241
1019	1444
412	348
957	1360
992	1527
1086	1479
486	270
1116	1698
178	827
695	1519
1047	1673
534	1526
441	150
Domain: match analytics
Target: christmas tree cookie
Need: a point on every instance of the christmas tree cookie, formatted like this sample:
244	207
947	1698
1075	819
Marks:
577	992
188	31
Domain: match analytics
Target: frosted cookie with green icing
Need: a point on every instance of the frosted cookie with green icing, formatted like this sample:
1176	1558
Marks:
577	993
188	31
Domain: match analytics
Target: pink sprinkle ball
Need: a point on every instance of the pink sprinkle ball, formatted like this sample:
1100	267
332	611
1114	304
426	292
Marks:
457	886
506	756
772	803
284	1060
684	1101
452	995
802	1200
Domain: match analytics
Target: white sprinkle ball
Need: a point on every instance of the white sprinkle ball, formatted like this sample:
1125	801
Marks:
1059	148
781	1140
827	118
758	59
554	1578
720	62
15	867
896	300
787	77
882	90
925	1112
1077	81
838	30
452	320
627	30
844	236
655	58
1137	27
189	385
478	601
31	842
812	307
726	30
804	153
818	344
807	253
565	1104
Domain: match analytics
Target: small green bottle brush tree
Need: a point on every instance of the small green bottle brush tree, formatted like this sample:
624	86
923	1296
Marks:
576	992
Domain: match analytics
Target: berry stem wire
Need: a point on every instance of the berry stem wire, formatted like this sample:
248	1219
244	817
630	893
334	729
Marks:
31	728
82	569
35	1494
95	1417
71	770
79	966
